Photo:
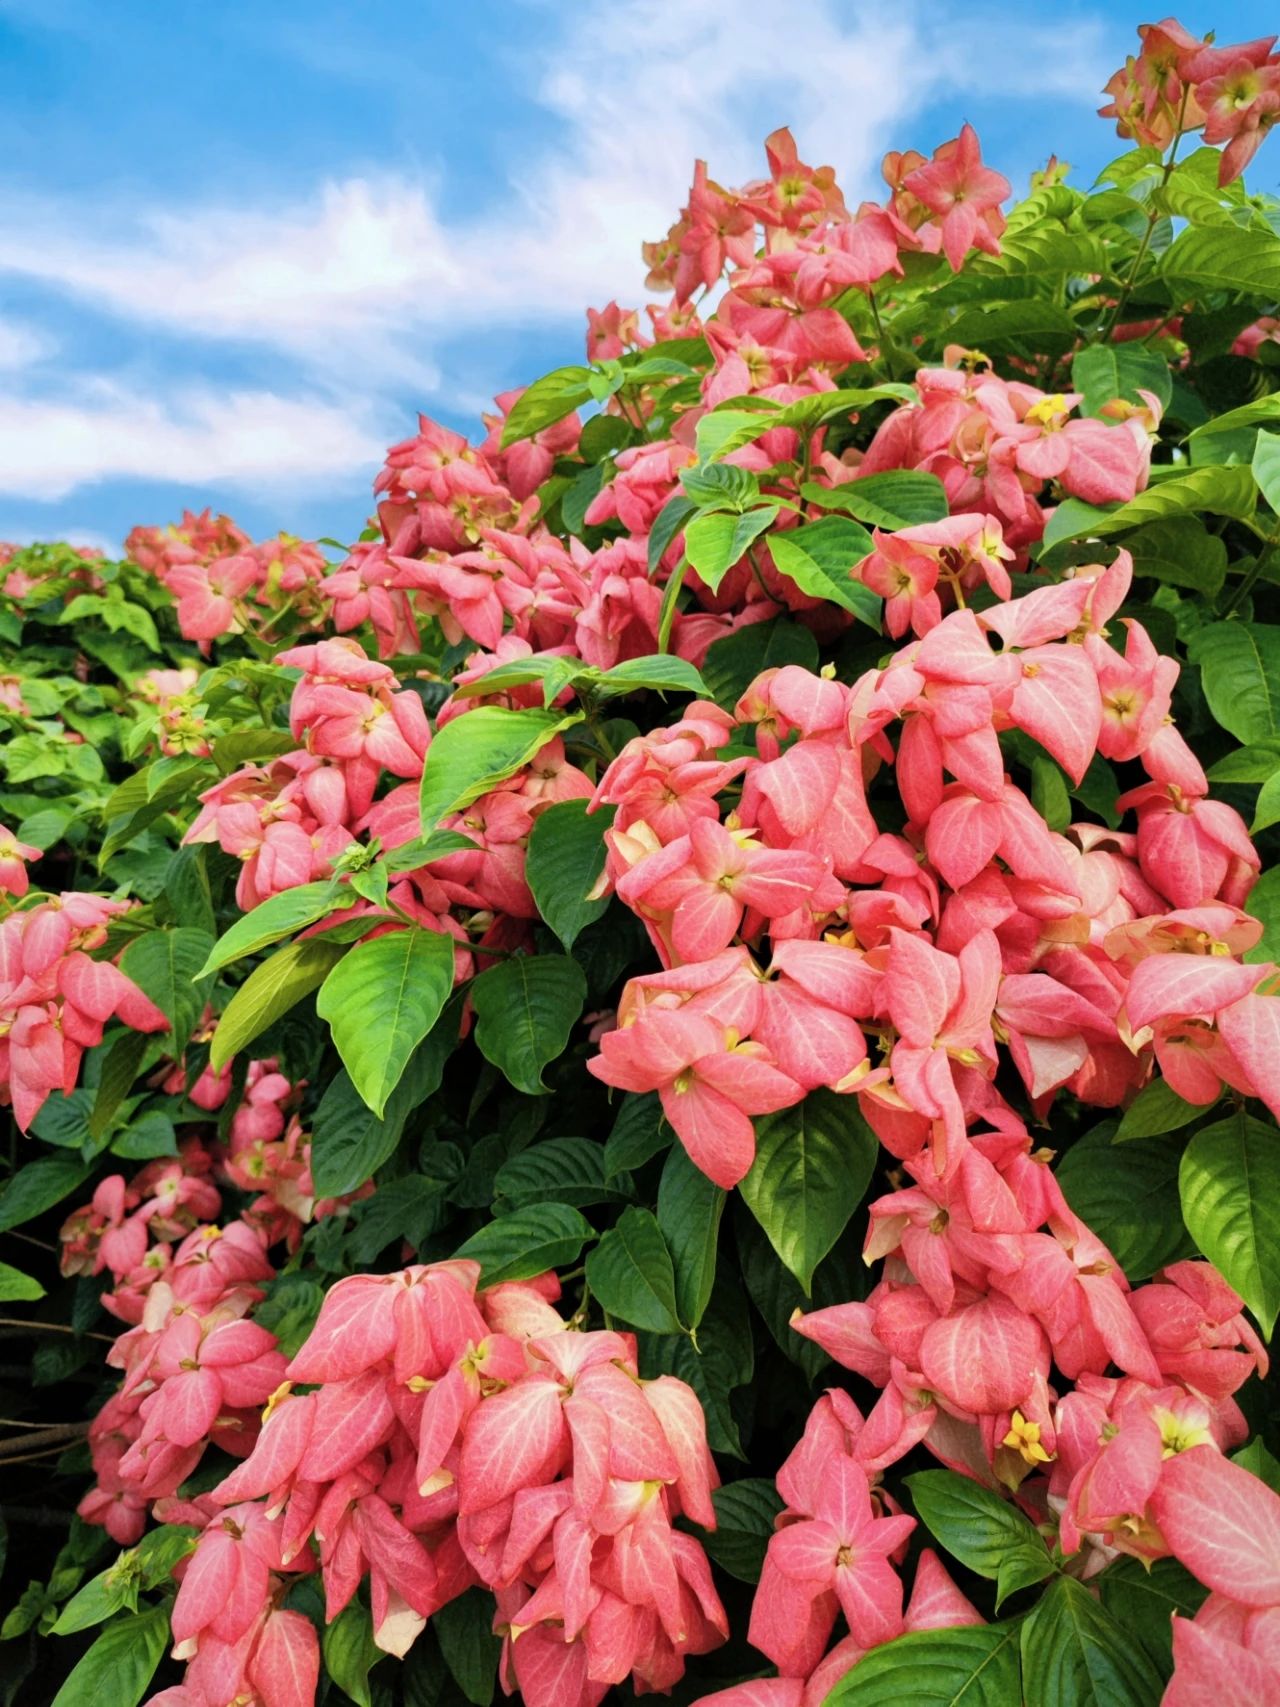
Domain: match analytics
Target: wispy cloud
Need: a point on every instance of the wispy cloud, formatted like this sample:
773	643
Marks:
358	283
49	446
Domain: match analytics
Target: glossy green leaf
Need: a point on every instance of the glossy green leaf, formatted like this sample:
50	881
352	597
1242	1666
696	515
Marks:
713	543
1128	1195
973	1666
820	559
565	859
269	991
471	755
1142	1596
349	1652
1104	372
1230	1185
280	916
527	1242
525	1009
464	1630
689	1210
639	1133
1266	468
381	1000
120	1664
1181	552
38	1186
349	1142
813	1164
1156	1108
1077	1655
745	1511
1240	674
631	1276
119	1070
545	402
982	1530
901	497
166	967
564	1170
734	662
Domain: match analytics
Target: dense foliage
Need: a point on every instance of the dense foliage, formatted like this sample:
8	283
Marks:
466	1002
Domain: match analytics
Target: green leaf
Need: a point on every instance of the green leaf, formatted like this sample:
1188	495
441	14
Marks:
119	1070
1240	673
1267	811
1027	329
292	910
1225	258
1266	468
16	1287
639	1133
1181	552
630	1274
745	1511
665	674
100	1598
525	1009
161	1549
1249	415
349	1652
973	1666
1128	1194
120	1664
901	497
269	991
1230	1184
666	525
527	1242
147	1135
292	1304
1105	372
1220	491
166	966
349	1142
471	755
727	428
1079	1656
564	1170
689	1210
1256	1459
38	1186
1247	764
713	543
813	1164
719	485
546	401
464	1630
724	1360
732	664
565	858
820	558
1157	1108
1264	904
984	1531
381	1000
1142	1597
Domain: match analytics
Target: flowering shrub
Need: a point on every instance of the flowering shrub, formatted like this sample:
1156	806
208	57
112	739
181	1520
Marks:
805	783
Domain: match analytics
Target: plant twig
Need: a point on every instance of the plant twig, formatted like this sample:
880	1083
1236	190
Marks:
52	1328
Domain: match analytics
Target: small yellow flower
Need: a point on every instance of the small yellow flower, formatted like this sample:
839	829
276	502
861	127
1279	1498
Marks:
1024	1438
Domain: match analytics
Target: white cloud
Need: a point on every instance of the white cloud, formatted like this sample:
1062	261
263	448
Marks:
359	282
49	447
22	345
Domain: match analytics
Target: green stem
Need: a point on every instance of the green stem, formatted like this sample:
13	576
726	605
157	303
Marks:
1251	575
1153	218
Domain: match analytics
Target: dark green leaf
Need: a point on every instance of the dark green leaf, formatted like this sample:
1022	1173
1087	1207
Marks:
1142	1596
119	1070
1156	1108
1128	1195
525	1009
166	966
745	1512
349	1143
1105	372
820	558
973	1666
1230	1184
639	1133
984	1531
38	1186
1240	674
689	1210
1180	552
527	1242
464	1629
1079	1656
813	1164
349	1651
564	862
630	1274
564	1170
732	664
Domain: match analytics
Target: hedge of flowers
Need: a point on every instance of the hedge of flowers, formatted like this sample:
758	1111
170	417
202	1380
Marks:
804	783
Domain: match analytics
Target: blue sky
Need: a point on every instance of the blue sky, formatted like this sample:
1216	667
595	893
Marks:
241	243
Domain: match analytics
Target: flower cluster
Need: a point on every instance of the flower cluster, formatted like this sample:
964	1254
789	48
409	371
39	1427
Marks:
55	999
222	582
1088	954
451	1438
1179	83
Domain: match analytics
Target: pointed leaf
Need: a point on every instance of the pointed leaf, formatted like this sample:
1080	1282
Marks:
713	543
565	859
381	1000
527	1242
689	1211
820	558
973	1666
984	1531
1128	1195
1077	1655
631	1276
525	1009
269	991
471	755
120	1664
1230	1185
282	915
167	967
